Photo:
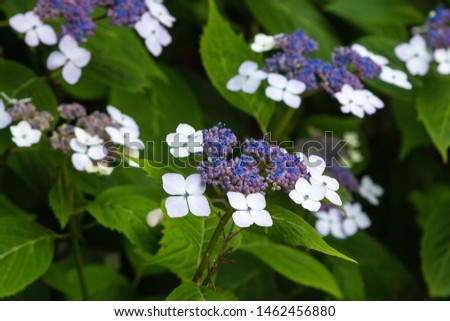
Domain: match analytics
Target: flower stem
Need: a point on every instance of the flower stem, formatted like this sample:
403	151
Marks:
282	124
212	244
78	257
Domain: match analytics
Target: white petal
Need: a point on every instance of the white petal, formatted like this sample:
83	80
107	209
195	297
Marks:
323	227
80	57
143	26
242	219
185	129
77	147
417	66
194	185
163	36
337	230
363	221
333	197
154	217
275	94
85	138
256	201
331	182
444	68
115	135
33	18
96	152
440	55
31	38
311	206
55	60
251	85
19	23
317	193
21	142
237	201
259	74
71	73
291	100
302	185
261	218
296	196
236	83
176	206
80	161
404	52
179	152
34	136
5	119
418	43
198	205
153	45
174	184
357	110
316	165
277	80
295	86
248	68
68	45
47	35
349	227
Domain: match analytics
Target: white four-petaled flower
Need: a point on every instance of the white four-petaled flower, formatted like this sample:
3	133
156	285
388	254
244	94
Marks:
395	77
71	56
416	55
5	117
370	191
358	101
186	140
331	185
364	52
33	28
248	78
263	43
308	195
354	219
282	89
24	135
86	148
442	57
155	36
330	223
186	195
250	209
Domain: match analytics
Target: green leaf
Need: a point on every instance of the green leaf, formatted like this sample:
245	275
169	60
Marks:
291	263
385	277
295	231
349	278
159	110
102	282
189	291
61	201
413	132
7	208
17	81
435	244
222	53
87	88
120	59
378	16
286	16
26	251
124	209
185	241
433	106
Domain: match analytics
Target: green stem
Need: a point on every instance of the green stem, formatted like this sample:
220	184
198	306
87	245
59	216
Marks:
78	257
282	124
212	244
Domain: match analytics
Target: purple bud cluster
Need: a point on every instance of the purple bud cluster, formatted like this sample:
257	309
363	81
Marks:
27	111
75	115
61	137
77	15
439	29
96	122
346	66
259	165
